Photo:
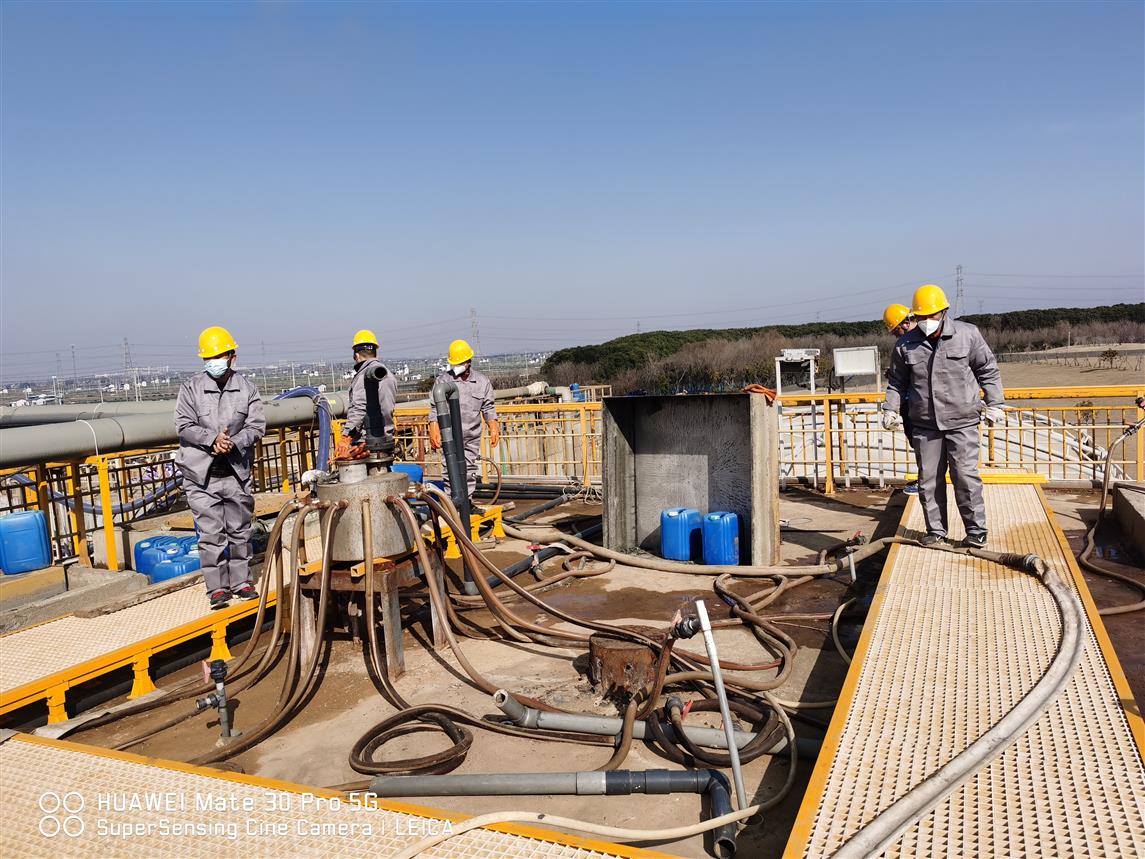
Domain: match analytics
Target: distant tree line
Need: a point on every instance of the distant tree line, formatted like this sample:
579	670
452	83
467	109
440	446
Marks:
726	359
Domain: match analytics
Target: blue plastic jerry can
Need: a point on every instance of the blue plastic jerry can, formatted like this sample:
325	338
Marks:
680	534
721	539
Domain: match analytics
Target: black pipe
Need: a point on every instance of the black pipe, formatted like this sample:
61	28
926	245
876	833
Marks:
522	517
542	555
375	423
447	403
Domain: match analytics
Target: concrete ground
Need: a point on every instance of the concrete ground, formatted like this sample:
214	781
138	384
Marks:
313	747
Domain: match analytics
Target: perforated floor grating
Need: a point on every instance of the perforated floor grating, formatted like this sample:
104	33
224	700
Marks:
57	645
951	644
61	801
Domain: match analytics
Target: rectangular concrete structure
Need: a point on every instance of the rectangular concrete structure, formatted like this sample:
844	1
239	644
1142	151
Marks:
710	452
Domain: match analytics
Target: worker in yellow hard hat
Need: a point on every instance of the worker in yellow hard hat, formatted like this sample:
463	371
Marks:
352	443
936	372
219	418
899	320
477	403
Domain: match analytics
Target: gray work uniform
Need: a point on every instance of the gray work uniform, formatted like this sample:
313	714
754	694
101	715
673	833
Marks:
355	423
219	488
934	384
475	396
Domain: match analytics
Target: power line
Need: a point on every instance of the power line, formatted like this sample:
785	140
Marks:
1074	276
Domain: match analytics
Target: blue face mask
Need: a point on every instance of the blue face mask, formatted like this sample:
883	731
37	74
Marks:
216	367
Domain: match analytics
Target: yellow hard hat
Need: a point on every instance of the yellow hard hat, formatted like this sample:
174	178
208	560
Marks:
460	352
894	315
929	299
215	341
365	337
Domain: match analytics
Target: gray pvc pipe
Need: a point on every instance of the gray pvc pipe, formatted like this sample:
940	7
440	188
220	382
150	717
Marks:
80	438
608	726
491	784
26	416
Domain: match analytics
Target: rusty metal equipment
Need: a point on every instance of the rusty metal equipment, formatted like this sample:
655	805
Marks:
617	667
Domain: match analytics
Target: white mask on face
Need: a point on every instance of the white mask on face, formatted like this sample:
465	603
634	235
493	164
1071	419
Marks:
216	367
458	370
929	326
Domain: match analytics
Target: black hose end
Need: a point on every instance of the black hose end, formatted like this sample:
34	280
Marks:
719	795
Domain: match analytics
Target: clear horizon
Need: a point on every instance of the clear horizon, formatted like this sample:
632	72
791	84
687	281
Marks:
569	171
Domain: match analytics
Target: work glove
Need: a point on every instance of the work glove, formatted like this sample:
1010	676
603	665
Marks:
434	435
891	420
494	433
341	449
994	415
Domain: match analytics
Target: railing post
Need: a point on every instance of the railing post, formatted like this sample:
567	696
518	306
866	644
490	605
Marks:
828	444
304	447
108	517
1140	456
283	463
78	516
584	445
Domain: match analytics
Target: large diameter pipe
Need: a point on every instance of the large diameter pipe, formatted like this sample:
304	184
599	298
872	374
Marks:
62	441
594	783
27	416
375	428
448	408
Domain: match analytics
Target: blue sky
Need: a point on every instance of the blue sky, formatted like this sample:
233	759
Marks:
299	170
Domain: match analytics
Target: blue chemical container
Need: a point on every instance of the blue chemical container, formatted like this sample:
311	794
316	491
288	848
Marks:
721	539
153	550
173	567
415	471
680	534
24	542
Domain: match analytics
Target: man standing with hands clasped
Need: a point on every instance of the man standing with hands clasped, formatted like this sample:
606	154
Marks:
936	371
219	417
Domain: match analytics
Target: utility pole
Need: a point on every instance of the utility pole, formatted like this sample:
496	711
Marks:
75	375
959	292
474	333
293	380
135	370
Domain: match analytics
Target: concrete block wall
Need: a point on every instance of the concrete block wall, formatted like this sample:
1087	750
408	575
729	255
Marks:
711	452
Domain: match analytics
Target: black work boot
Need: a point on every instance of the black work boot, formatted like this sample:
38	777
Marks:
219	599
977	539
932	539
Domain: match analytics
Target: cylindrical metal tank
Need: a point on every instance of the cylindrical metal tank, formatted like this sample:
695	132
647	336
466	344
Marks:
391	535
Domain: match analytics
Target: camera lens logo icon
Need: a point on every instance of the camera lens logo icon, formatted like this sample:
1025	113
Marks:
61	814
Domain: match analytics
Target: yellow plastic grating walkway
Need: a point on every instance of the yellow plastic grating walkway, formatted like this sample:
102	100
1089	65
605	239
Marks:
43	661
952	643
63	799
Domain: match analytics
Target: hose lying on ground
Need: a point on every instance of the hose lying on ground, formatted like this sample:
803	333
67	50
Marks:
877	835
1085	559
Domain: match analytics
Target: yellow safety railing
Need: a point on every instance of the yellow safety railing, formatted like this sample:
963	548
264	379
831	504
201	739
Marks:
832	439
826	440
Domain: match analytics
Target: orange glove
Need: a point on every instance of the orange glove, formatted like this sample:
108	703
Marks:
494	432
346	450
434	435
341	449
